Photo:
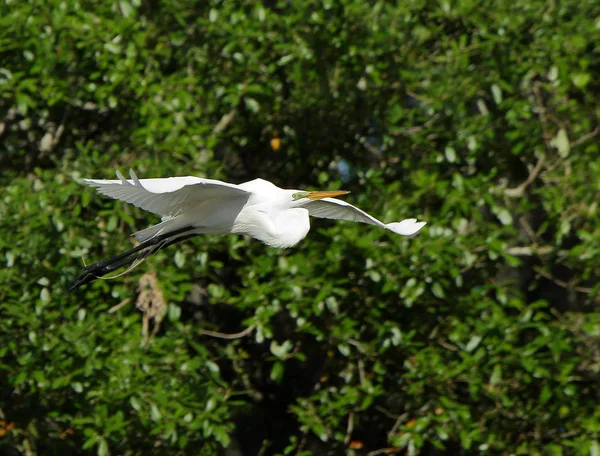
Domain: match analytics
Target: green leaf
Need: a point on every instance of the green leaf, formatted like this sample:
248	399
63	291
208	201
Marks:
222	436
438	291
505	217
497	93
581	80
595	448
135	403
114	48
45	295
102	448
473	343
126	8
496	376
252	104
277	372
545	394
282	350
155	412
450	154
561	142
174	312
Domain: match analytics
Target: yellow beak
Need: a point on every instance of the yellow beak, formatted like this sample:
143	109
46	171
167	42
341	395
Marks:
326	194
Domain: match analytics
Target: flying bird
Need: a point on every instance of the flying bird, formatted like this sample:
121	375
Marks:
190	206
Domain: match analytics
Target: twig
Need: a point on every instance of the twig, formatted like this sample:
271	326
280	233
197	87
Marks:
361	372
220	335
396	425
530	250
527	227
122	304
561	283
517	192
302	444
445	344
391	450
59	132
349	428
225	121
389	414
417	128
418	97
585	137
263	448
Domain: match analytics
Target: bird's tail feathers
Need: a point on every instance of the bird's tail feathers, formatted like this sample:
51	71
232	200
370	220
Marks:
168	225
148	233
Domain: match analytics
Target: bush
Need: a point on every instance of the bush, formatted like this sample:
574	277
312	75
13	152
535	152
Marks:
478	336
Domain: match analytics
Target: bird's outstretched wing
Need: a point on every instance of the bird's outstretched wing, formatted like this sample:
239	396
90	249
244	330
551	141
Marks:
333	208
167	197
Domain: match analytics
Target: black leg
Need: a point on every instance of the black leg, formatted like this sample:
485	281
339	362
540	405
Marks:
142	246
145	249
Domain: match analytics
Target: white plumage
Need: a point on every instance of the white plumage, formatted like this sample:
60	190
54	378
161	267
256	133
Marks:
192	205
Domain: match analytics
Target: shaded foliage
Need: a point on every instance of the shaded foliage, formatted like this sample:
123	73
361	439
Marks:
478	336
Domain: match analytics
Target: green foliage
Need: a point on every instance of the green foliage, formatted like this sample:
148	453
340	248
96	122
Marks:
478	336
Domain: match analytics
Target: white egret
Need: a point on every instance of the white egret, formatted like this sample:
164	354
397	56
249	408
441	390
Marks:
190	206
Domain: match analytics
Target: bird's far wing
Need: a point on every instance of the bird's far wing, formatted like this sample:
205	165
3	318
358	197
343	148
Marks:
167	197
333	208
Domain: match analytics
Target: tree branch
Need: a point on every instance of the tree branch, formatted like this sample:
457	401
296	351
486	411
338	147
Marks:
220	335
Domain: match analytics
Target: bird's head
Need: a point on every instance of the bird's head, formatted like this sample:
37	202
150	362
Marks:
317	195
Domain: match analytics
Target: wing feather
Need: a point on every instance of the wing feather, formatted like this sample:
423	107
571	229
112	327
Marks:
167	197
333	208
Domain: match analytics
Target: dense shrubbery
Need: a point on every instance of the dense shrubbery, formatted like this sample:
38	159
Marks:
479	336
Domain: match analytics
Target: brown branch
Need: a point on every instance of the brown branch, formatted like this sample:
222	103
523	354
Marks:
418	97
585	137
389	414
417	128
561	283
396	425
122	304
517	192
530	250
225	121
349	428
220	335
446	345
527	227
59	131
391	450
361	372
